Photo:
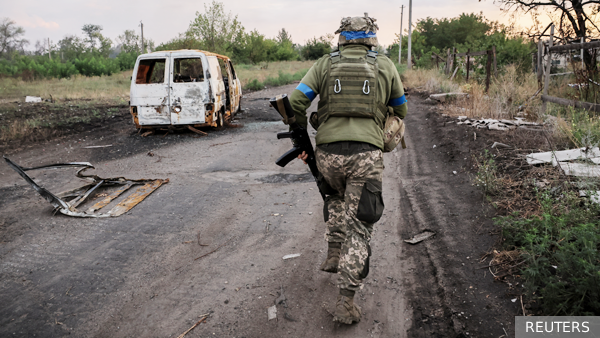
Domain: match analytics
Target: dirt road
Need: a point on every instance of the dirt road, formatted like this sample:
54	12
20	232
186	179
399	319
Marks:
229	206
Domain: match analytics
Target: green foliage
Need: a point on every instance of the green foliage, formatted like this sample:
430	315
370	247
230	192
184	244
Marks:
10	37
129	41
487	177
36	67
316	48
447	33
583	126
282	79
561	249
216	30
254	84
39	67
71	47
93	66
465	32
126	60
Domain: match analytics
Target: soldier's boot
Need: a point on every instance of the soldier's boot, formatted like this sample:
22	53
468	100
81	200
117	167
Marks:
346	311
333	257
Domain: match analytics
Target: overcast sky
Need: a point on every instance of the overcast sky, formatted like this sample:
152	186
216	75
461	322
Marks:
163	20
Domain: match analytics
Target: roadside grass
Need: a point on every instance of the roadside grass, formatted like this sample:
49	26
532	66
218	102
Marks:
280	80
560	250
42	121
487	173
429	80
255	77
114	88
550	241
550	234
575	127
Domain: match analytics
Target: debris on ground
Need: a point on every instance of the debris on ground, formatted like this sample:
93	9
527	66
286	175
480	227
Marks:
291	256
281	300
594	196
92	147
193	327
33	99
272	312
581	162
67	202
502	125
420	237
447	96
500	145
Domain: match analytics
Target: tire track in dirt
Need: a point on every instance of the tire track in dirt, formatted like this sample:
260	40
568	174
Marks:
449	295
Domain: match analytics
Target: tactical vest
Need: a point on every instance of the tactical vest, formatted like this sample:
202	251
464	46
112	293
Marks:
351	89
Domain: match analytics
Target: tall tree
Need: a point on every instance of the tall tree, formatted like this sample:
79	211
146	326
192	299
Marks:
71	47
93	34
283	37
216	30
577	18
10	36
129	41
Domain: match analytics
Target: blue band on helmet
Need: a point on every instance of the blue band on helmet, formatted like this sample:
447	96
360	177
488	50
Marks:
397	102
306	90
352	35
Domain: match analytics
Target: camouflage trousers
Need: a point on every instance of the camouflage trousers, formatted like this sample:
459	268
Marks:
351	213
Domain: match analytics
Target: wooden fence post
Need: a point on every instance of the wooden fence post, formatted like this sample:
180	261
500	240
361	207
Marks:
488	70
495	62
447	68
453	58
539	62
548	68
468	61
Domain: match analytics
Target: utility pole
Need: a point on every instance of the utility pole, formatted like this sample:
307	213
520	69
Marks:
142	26
409	60
400	39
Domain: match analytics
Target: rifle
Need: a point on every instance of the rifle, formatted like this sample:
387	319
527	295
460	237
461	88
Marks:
301	143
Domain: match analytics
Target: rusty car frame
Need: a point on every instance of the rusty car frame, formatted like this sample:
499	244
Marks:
67	202
183	89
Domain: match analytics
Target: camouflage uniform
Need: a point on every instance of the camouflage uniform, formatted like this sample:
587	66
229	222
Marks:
349	147
352	172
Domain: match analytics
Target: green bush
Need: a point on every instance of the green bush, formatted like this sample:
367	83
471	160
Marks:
561	249
281	80
96	66
254	85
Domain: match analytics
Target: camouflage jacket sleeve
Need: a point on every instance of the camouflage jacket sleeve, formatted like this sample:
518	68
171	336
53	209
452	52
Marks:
307	90
397	99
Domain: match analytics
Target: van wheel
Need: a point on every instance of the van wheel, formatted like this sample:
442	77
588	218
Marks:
220	122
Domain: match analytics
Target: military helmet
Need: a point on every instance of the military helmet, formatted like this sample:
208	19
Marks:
358	30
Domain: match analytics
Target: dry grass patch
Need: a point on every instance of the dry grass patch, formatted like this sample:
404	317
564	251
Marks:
509	96
97	88
429	80
265	70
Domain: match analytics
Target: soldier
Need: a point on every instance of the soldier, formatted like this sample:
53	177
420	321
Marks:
356	87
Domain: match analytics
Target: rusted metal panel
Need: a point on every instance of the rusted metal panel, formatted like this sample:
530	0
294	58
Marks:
139	195
68	201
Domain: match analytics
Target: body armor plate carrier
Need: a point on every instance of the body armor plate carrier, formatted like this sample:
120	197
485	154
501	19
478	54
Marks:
352	89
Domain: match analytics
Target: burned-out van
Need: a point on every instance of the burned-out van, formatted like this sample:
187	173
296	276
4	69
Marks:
183	88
